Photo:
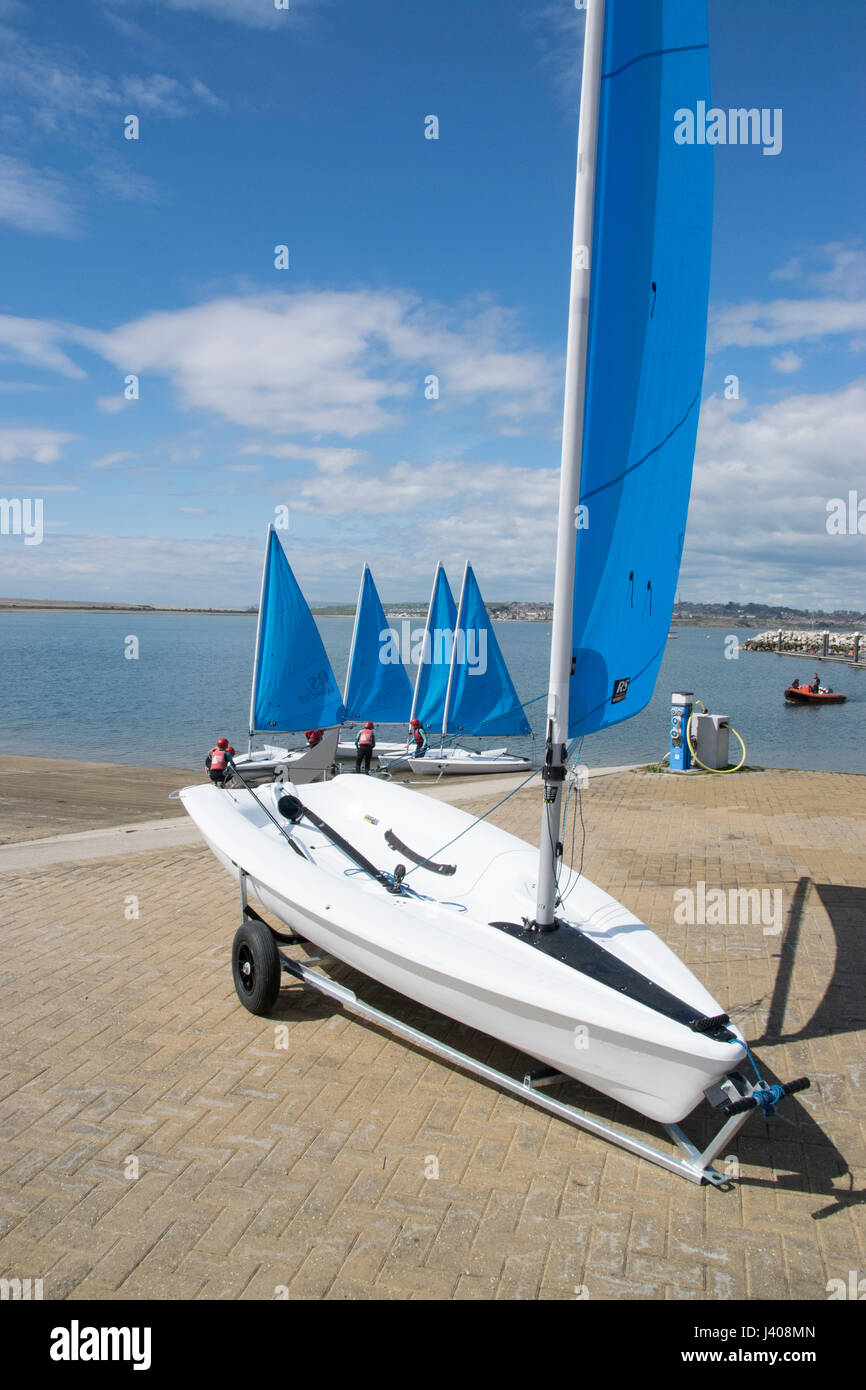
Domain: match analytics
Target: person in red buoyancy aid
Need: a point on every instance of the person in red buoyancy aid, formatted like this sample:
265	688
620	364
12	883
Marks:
418	737
365	743
314	736
218	760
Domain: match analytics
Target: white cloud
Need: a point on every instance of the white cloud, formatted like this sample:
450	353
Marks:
35	200
786	362
108	460
330	362
330	461
257	14
57	95
837	268
35	341
112	405
785	321
32	445
758	513
837	272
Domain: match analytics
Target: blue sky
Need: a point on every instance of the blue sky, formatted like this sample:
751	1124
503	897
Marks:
305	387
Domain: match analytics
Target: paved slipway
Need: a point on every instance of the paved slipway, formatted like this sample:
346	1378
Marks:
314	1153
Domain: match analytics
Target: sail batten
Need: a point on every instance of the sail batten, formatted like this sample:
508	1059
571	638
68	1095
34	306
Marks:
294	687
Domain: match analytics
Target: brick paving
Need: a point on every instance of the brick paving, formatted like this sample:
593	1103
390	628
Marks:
159	1141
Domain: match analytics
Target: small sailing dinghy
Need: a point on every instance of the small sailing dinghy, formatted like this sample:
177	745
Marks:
377	685
463	687
455	913
294	688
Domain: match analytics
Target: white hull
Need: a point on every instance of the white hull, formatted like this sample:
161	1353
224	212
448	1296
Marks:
302	765
461	762
346	751
454	960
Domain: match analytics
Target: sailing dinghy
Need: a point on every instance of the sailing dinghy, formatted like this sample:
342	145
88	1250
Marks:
377	688
463	687
452	912
293	687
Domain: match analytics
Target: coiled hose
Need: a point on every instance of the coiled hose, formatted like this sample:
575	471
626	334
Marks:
691	746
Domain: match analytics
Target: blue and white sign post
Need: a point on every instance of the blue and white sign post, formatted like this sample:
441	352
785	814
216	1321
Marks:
681	712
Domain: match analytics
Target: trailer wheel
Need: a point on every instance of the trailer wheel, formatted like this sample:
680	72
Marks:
256	967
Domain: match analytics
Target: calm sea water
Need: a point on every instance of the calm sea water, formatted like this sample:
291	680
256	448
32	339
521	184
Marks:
68	692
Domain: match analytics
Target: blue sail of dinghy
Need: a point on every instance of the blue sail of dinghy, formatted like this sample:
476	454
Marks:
649	286
376	689
294	687
431	686
483	699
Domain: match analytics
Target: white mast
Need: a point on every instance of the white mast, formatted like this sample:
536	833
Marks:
424	649
258	635
457	627
354	634
572	446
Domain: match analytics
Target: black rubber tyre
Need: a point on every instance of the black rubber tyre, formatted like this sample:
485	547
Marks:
256	967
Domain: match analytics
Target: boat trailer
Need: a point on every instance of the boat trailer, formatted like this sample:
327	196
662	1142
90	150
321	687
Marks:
736	1095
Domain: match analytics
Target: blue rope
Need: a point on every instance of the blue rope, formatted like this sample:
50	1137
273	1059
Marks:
767	1096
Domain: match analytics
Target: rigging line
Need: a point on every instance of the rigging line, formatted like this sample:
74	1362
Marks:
477	821
654	53
648	455
578	805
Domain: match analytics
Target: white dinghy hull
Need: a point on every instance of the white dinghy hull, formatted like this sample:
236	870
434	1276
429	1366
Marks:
443	950
302	765
460	762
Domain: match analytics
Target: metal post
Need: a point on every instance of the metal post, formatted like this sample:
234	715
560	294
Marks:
572	447
258	636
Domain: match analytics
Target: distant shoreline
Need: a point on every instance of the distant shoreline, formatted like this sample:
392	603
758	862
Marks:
397	613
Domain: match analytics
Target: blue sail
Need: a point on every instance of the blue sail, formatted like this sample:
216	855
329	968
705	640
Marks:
435	666
294	686
377	686
483	699
650	271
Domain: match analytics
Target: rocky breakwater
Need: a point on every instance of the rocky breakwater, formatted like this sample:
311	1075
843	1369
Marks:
843	646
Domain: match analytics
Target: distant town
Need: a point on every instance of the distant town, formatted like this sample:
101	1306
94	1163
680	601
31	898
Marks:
686	613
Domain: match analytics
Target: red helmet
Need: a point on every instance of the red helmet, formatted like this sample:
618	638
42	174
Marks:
369	724
222	743
413	721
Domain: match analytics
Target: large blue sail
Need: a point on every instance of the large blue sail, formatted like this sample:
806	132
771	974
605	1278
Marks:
482	699
377	686
435	666
650	270
294	687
